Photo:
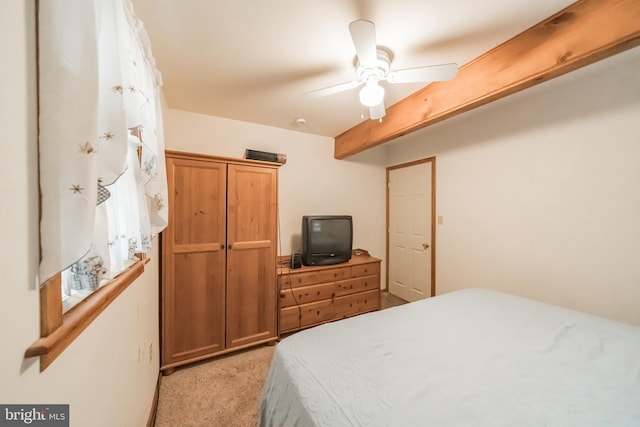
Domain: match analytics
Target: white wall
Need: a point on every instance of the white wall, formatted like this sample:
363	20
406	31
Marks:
98	374
540	191
311	182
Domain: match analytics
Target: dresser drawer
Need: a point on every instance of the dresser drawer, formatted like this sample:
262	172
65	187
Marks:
365	269
361	284
312	277
306	294
358	303
292	318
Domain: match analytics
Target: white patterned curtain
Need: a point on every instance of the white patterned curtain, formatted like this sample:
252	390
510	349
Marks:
97	80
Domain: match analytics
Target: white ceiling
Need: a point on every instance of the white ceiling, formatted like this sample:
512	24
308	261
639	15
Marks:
252	60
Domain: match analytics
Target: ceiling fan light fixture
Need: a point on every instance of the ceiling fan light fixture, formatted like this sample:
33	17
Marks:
373	65
371	94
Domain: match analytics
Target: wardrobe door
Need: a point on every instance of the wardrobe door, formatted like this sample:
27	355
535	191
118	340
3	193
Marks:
193	292
251	254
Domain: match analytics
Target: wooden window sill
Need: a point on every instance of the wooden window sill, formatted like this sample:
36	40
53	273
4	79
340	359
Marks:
77	319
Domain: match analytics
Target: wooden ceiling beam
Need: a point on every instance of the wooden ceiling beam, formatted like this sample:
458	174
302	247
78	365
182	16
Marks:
583	33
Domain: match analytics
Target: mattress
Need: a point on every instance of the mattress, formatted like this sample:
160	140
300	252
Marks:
474	357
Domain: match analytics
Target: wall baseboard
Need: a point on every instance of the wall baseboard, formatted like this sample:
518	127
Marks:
154	404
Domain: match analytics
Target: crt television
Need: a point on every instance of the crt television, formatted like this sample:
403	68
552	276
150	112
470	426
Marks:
326	239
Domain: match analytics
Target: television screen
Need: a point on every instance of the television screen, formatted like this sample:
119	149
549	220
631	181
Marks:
326	239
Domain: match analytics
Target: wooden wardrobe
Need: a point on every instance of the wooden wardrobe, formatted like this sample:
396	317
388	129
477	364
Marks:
218	279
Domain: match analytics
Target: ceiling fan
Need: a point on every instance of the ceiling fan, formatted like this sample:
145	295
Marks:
374	65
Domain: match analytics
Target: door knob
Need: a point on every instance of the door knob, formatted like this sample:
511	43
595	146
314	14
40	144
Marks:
425	246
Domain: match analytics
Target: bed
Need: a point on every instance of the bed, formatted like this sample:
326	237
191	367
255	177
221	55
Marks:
473	357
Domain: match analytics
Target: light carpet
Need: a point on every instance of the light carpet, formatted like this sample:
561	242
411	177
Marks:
221	392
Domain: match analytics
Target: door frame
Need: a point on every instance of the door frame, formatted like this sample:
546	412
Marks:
431	160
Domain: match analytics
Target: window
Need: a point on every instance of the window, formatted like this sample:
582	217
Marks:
121	232
102	178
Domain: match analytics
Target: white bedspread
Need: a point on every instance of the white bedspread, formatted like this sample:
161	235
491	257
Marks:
468	358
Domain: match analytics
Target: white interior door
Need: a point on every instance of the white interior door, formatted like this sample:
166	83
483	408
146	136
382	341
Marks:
410	230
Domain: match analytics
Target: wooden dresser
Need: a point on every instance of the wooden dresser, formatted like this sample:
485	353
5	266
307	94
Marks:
317	294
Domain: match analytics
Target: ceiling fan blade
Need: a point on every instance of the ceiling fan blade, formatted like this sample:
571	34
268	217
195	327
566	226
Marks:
333	89
423	74
363	34
377	112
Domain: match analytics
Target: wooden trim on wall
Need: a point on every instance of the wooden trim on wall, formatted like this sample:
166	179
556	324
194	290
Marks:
151	420
581	34
76	320
51	298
